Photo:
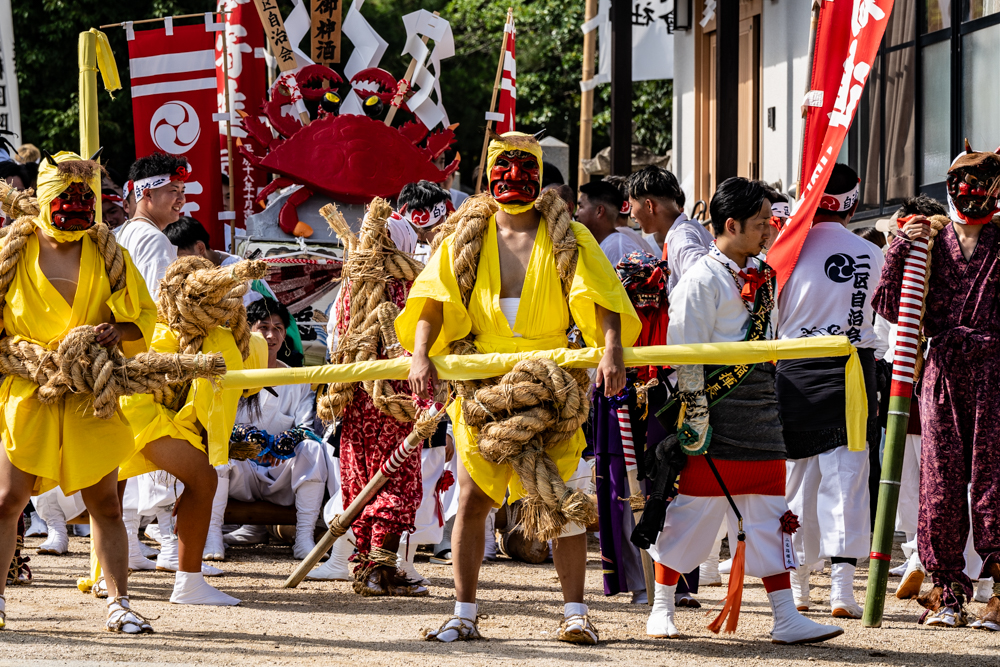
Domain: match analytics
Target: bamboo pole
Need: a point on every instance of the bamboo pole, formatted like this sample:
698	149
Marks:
587	96
405	85
229	142
900	393
493	103
342	522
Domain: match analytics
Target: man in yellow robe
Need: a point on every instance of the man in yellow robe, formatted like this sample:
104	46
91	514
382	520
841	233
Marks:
518	303
60	281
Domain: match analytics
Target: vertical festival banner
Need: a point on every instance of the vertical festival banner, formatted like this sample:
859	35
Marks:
244	35
173	104
848	35
507	103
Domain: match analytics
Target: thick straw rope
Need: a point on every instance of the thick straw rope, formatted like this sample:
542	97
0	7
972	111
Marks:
537	404
196	297
80	364
372	260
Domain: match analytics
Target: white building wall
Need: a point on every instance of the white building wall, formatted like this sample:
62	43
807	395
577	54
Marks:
683	113
784	60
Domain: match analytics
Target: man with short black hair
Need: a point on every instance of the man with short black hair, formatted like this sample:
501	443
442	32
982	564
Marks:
421	207
657	204
158	185
648	244
829	293
600	203
727	296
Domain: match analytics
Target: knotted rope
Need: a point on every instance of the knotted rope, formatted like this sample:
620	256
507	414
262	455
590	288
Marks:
196	297
372	260
538	404
80	364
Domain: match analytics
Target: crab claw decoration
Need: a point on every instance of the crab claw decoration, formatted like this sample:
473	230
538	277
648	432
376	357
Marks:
974	186
349	158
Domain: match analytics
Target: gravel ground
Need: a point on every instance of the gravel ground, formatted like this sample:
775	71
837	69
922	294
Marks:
51	623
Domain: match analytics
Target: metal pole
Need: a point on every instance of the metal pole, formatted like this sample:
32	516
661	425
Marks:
621	87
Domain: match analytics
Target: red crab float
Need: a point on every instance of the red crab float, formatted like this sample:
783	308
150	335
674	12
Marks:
348	158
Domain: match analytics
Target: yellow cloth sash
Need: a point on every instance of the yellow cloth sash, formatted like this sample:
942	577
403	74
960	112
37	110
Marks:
482	366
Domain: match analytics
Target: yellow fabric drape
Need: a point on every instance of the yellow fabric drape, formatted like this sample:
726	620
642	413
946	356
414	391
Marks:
205	408
106	63
62	443
481	366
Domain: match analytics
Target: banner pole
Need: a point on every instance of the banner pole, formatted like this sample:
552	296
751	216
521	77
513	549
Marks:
229	141
493	103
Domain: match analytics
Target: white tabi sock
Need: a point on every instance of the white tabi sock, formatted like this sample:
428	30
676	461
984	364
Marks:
575	609
467	610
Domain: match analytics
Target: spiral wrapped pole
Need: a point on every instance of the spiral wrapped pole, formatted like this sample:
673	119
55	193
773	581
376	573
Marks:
424	428
904	366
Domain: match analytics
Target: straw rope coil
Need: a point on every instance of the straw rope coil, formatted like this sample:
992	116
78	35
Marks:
372	260
80	365
196	297
537	404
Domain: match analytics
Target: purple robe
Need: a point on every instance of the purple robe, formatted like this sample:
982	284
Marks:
960	388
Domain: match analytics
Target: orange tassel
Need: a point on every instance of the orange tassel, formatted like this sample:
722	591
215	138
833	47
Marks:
734	595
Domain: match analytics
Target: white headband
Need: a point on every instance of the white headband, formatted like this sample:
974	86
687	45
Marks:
426	217
143	185
781	209
841	203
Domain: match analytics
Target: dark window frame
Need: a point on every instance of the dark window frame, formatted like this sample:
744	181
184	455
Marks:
959	28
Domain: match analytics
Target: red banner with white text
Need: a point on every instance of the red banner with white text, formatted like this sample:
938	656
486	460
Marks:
173	103
247	89
848	35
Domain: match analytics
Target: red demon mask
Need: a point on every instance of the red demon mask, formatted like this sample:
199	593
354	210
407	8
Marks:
515	178
73	210
974	186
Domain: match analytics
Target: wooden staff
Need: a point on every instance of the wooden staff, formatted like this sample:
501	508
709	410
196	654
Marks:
405	85
493	102
587	96
342	522
632	471
900	393
229	141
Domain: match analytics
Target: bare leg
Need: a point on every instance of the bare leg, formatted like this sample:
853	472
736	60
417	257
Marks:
194	507
15	490
570	557
468	540
110	540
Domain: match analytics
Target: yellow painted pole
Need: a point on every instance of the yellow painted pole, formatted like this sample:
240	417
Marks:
89	136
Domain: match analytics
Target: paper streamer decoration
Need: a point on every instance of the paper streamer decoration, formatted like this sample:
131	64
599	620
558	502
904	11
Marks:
426	78
368	51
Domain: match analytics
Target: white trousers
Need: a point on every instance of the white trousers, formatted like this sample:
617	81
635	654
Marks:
429	529
70	506
692	524
829	494
278	483
909	488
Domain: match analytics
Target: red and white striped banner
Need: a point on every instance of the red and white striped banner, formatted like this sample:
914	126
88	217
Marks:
504	115
173	103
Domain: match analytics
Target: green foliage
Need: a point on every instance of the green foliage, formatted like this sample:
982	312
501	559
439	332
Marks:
549	63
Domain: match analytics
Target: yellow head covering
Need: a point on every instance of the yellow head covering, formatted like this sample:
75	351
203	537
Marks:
514	141
51	183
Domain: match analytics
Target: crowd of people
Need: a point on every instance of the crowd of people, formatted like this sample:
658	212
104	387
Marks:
758	455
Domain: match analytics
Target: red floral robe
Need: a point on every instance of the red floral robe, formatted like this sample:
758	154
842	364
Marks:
367	438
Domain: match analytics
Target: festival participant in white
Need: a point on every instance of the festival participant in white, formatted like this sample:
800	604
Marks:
657	204
829	293
55	508
728	296
624	217
292	466
598	210
158	186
